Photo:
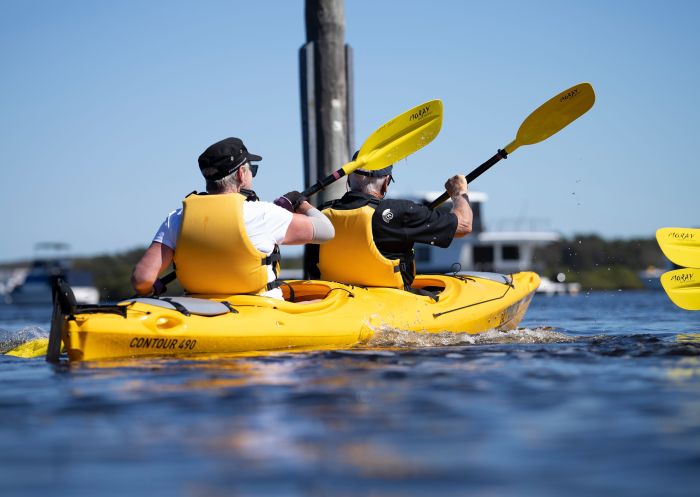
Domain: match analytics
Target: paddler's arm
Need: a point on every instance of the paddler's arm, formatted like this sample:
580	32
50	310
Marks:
157	257
458	189
308	225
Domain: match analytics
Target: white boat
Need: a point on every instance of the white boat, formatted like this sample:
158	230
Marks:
490	251
651	277
550	287
35	287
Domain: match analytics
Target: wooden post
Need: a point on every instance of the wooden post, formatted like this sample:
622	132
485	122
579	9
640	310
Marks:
326	100
327	118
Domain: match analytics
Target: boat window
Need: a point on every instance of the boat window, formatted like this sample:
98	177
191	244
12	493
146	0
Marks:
510	253
477	224
483	253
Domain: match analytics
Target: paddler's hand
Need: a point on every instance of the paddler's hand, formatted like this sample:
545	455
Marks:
458	189
290	201
457	185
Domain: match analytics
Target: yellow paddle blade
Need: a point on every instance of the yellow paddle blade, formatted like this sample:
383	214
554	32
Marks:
32	348
683	287
399	138
680	245
554	115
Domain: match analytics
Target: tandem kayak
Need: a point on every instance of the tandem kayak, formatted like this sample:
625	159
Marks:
315	315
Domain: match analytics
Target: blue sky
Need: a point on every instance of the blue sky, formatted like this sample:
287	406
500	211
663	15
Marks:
106	106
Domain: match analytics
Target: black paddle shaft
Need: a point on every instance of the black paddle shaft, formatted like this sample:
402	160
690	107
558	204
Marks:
501	154
320	185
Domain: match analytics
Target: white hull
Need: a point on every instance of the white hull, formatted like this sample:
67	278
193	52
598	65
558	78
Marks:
40	294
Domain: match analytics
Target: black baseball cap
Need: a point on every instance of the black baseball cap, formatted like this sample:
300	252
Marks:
376	173
224	157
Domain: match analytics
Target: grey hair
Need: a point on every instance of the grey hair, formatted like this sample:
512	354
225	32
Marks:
227	184
366	184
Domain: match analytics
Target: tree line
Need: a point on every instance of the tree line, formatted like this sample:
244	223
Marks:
600	264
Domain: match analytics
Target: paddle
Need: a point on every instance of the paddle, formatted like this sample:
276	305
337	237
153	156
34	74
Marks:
33	348
680	245
549	118
683	287
391	142
50	347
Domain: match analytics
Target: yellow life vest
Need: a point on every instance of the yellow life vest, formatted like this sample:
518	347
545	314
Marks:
352	257
213	254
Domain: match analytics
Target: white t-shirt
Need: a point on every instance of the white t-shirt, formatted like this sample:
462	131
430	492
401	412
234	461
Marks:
265	223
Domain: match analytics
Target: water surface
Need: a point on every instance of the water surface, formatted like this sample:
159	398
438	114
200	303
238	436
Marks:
595	395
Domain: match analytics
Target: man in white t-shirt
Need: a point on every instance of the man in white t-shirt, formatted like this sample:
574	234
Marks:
227	168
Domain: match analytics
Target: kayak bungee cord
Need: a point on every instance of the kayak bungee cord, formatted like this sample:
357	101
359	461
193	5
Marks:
509	287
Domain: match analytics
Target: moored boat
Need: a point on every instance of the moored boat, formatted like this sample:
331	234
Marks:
33	285
35	289
315	315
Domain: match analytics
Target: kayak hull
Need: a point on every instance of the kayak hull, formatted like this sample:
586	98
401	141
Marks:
324	315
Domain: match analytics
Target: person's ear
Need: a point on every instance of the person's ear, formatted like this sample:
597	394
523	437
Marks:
385	185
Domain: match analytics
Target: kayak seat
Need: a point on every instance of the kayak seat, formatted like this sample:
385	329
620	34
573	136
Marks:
305	291
428	284
188	305
435	290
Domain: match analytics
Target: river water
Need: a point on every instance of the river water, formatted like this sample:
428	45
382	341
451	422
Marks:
595	394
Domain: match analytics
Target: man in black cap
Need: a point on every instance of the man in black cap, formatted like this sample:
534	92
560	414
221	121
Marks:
226	241
374	236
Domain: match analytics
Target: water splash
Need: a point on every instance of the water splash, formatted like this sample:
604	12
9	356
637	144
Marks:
390	337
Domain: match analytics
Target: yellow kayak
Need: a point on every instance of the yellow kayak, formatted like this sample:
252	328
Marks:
315	315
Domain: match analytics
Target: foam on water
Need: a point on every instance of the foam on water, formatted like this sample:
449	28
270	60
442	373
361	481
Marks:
390	337
384	337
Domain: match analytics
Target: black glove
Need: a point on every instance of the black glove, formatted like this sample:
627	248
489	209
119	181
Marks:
290	201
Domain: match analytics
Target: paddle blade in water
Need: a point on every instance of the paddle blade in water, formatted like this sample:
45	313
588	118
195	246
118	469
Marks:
683	287
33	348
554	115
400	137
680	245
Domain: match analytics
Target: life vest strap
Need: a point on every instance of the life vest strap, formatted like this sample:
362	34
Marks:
250	195
292	296
373	202
273	258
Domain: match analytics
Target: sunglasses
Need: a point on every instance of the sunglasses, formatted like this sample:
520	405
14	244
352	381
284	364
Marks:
253	169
